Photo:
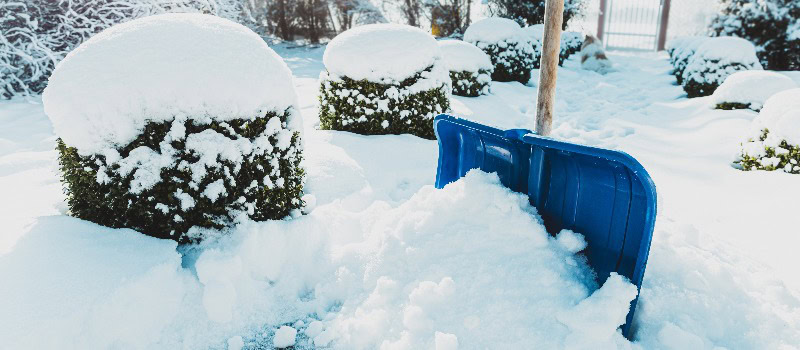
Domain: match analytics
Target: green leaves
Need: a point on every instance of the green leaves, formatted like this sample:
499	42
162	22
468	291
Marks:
158	211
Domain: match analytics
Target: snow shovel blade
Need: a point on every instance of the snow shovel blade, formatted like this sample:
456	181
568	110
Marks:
603	194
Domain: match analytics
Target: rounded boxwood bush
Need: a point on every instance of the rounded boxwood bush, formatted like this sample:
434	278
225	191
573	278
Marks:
680	51
383	79
470	68
511	53
750	89
156	135
776	144
714	61
535	34
572	41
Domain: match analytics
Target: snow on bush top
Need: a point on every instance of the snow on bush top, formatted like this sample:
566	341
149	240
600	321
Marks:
492	30
751	87
381	51
685	42
155	68
727	49
781	116
535	31
462	56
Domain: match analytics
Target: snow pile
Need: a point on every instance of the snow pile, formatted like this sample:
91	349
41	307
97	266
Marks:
435	257
383	79
470	68
180	120
436	270
155	68
716	59
377	52
512	53
776	143
492	30
750	89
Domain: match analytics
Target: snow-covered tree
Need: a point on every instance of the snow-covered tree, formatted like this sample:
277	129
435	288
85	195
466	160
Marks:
772	25
530	12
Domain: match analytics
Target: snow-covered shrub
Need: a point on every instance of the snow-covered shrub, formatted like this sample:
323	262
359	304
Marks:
174	123
530	12
776	141
35	35
512	54
572	41
772	25
470	68
680	51
383	79
750	89
715	60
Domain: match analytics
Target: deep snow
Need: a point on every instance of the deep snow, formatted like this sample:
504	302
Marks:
721	272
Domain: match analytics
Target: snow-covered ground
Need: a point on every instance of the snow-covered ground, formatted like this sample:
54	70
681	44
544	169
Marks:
384	259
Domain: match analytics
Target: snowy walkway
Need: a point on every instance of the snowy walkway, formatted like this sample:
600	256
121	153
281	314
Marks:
721	273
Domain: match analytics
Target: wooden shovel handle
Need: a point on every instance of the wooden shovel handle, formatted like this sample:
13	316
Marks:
553	17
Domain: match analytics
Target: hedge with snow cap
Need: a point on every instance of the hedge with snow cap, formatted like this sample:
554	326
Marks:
370	108
197	188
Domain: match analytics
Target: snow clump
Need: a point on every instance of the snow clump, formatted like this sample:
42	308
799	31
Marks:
383	79
511	52
174	123
750	89
470	68
776	141
715	60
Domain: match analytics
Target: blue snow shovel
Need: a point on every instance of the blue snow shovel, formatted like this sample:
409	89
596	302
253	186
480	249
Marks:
605	195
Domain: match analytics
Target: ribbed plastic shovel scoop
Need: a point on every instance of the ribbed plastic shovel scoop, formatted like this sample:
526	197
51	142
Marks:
605	195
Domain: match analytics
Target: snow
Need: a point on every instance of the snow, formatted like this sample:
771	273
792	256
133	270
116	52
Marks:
492	30
752	88
721	271
155	68
727	49
781	116
284	337
535	31
381	51
462	56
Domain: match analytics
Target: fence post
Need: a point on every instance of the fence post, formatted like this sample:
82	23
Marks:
662	30
601	20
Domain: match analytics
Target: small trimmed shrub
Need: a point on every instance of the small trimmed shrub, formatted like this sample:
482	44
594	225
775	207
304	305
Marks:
712	63
729	106
194	188
512	53
572	41
168	157
757	154
681	51
471	84
383	79
470	68
776	144
513	60
370	108
750	89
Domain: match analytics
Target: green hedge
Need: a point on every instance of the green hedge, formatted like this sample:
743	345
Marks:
785	157
471	84
513	60
728	106
261	187
704	78
370	108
